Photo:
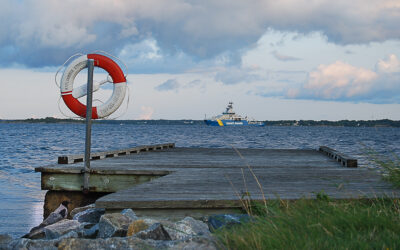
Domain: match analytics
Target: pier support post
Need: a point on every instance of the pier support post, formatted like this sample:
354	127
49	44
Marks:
89	100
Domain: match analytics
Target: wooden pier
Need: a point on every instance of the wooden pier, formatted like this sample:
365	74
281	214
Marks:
170	181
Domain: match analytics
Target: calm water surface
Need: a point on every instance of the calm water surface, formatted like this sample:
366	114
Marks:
26	146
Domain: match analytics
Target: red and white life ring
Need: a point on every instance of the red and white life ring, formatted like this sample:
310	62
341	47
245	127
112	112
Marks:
70	97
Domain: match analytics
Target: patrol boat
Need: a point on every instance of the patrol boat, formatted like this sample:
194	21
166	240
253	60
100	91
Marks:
230	118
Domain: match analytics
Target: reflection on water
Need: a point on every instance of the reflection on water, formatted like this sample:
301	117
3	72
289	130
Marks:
26	146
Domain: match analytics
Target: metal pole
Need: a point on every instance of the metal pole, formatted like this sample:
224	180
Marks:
89	100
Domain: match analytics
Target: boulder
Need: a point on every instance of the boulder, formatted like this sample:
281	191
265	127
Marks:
137	226
90	215
114	243
221	220
61	228
81	209
113	225
35	233
150	221
129	212
91	232
32	244
197	243
187	228
154	232
38	231
70	234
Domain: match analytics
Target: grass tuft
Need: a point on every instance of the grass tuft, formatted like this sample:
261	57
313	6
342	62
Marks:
318	224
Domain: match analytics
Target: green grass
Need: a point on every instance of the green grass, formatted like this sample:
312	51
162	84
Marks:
318	224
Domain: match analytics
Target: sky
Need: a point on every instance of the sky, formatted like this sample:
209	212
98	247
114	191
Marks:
186	59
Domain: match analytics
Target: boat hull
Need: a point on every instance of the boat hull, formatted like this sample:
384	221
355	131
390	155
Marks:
224	123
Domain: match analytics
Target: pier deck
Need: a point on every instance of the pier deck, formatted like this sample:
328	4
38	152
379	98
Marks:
184	180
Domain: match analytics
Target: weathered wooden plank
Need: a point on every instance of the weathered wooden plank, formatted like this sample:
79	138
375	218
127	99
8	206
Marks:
345	160
70	159
107	170
98	182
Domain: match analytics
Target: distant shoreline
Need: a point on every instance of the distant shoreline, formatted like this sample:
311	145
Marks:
341	123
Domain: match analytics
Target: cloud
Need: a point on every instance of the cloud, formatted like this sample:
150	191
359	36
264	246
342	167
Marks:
146	112
391	65
234	75
171	84
147	57
349	52
195	83
341	81
284	58
39	33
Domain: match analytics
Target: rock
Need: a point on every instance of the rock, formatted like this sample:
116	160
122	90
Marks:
187	228
61	228
57	215
81	209
91	233
114	243
35	233
32	244
137	226
113	225
5	239
221	220
129	212
181	230
150	221
197	243
38	232
90	215
154	232
71	234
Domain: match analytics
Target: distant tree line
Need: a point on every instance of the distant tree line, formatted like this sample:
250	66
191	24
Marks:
342	123
137	122
43	120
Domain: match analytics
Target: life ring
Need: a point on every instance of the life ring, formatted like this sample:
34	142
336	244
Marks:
118	79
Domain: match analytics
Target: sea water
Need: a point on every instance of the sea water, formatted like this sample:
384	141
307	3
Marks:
24	146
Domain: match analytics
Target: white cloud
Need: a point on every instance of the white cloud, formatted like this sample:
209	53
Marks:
284	58
341	81
391	65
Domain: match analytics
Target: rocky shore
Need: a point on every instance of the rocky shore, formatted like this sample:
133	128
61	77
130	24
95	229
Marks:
92	228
